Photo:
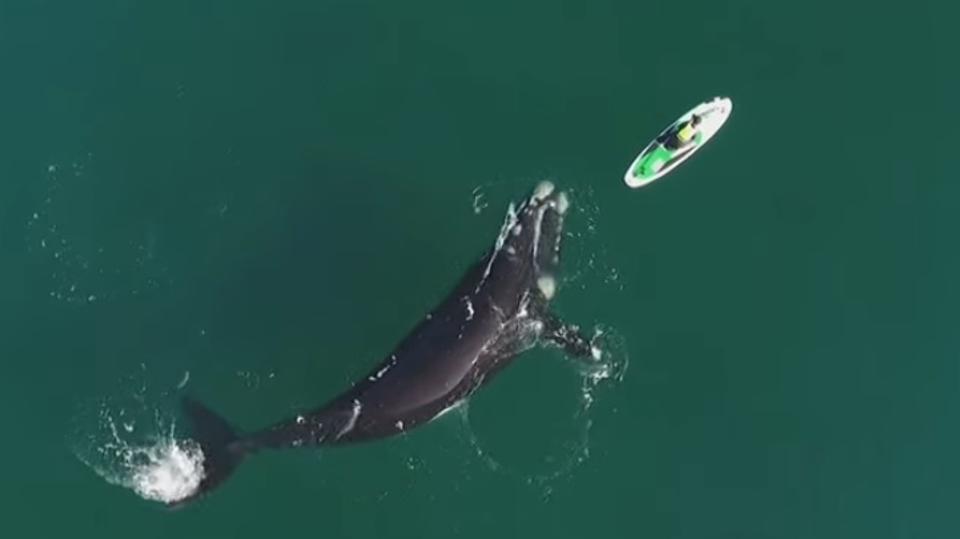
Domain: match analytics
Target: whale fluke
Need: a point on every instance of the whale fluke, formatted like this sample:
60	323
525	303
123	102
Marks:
222	448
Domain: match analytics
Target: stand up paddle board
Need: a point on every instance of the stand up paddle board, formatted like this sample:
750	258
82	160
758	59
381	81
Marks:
668	150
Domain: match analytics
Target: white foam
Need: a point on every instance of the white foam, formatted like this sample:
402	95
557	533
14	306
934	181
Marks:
131	442
167	472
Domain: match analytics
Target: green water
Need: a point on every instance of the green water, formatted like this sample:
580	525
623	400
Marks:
269	195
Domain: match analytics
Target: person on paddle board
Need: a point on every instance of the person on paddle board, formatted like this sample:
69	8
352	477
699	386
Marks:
685	134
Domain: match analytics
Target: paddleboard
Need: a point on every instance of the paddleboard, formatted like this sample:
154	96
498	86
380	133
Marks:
665	153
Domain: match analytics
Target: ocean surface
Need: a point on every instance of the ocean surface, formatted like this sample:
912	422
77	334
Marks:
253	202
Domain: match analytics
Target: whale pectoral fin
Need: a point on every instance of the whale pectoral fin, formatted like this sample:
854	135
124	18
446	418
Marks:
569	338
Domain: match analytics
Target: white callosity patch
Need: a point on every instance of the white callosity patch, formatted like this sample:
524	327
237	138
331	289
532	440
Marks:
547	286
543	190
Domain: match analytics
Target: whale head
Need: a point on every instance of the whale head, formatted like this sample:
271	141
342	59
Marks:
526	255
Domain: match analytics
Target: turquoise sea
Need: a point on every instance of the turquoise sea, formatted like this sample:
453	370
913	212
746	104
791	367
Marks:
254	201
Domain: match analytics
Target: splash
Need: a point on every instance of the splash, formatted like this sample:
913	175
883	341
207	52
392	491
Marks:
158	467
128	441
609	351
166	472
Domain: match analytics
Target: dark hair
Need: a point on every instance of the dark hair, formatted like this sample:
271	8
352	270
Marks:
695	120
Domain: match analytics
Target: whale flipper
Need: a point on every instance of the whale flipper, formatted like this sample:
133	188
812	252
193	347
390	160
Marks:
568	337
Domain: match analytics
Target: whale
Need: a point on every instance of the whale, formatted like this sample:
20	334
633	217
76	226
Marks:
499	309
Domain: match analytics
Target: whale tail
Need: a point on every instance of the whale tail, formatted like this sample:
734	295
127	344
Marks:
222	448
